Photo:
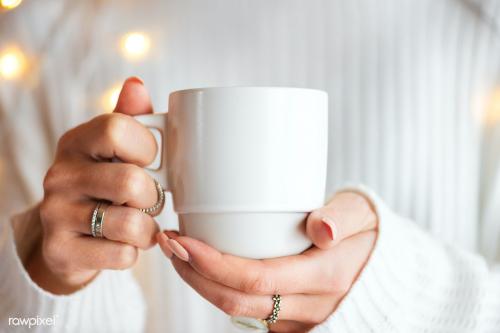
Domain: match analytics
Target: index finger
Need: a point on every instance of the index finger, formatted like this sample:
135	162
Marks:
302	273
112	136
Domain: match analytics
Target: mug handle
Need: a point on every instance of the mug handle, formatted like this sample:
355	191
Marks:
156	124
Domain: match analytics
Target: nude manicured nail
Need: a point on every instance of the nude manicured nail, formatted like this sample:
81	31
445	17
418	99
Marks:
330	227
178	250
164	245
135	79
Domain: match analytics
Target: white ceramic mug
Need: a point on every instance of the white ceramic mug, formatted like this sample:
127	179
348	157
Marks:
244	165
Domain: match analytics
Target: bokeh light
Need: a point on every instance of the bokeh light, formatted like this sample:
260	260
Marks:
13	63
135	45
10	4
110	98
493	108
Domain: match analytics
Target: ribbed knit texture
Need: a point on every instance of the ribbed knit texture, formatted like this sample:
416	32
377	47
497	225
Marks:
413	283
411	86
113	296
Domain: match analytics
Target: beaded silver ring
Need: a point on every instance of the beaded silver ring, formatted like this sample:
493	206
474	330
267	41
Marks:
158	206
276	309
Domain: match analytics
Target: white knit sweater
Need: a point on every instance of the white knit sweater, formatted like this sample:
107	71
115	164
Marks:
414	90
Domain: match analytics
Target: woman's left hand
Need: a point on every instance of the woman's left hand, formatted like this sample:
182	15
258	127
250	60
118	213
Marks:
311	284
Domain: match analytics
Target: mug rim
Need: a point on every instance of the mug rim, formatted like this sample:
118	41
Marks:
206	89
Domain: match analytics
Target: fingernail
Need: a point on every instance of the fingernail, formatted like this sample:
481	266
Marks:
135	79
330	227
164	245
178	250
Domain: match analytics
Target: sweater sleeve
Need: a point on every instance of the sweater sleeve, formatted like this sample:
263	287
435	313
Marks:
414	283
112	302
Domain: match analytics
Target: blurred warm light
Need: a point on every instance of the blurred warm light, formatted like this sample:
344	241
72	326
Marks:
135	45
10	4
12	63
493	108
110	98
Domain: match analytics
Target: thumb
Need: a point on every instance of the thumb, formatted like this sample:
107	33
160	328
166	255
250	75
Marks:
347	214
134	98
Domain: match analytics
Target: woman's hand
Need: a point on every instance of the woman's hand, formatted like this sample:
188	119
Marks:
311	284
68	256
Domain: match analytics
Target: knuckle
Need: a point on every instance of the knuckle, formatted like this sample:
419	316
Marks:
257	283
126	256
65	140
60	176
232	306
114	126
51	179
149	244
45	210
131	226
132	182
48	210
52	251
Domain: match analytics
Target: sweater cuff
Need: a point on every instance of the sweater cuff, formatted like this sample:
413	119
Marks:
374	295
112	301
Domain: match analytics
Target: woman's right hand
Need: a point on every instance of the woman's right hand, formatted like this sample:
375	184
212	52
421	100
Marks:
81	175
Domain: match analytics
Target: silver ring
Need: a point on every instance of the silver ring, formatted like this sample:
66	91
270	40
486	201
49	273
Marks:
97	222
259	325
276	309
158	206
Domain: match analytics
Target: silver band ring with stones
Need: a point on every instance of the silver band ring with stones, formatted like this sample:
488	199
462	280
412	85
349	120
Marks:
97	222
276	309
259	325
158	206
